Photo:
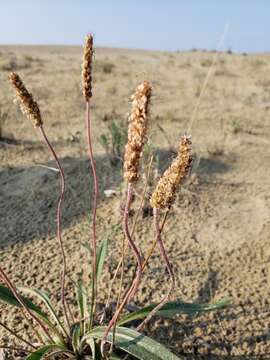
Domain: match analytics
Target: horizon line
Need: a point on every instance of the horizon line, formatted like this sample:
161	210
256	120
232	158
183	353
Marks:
193	49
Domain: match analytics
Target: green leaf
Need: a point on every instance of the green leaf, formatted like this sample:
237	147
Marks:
115	357
39	354
45	299
104	141
91	342
81	295
101	256
173	308
7	297
134	343
76	334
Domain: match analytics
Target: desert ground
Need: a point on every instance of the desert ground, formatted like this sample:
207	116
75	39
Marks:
218	231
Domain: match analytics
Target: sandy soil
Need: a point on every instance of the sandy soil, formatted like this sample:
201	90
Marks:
218	232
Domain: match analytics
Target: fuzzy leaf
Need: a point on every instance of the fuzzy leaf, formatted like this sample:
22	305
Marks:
173	308
134	343
76	333
45	299
7	297
81	295
91	342
101	255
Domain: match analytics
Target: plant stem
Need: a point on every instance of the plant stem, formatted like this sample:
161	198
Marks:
120	287
94	237
120	263
59	227
24	306
153	246
136	282
16	335
169	268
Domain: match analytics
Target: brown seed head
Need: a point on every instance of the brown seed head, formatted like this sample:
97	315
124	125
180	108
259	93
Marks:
87	67
28	105
164	193
137	130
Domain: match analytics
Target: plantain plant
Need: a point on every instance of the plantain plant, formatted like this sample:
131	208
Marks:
113	142
94	335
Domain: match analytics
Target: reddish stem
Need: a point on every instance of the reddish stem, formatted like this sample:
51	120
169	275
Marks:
169	268
132	232
59	227
96	191
14	333
136	281
20	300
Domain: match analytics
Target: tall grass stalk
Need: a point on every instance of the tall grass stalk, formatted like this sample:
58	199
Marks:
64	303
31	109
153	246
137	134
169	268
94	215
136	282
125	245
87	92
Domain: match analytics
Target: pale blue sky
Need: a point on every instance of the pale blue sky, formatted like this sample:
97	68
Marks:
147	24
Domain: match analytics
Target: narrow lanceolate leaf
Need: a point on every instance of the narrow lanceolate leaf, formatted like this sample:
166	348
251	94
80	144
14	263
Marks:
91	342
81	295
75	339
7	297
173	308
45	299
41	352
134	343
101	256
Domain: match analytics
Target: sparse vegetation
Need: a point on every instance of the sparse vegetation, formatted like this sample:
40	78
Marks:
15	64
105	67
114	140
206	62
217	232
87	333
236	126
259	63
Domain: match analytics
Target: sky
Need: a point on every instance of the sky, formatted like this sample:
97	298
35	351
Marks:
142	24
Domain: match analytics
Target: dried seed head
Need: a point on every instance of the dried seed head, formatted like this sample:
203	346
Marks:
87	67
28	105
164	193
137	131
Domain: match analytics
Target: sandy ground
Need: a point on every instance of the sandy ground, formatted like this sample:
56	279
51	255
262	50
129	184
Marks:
218	231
